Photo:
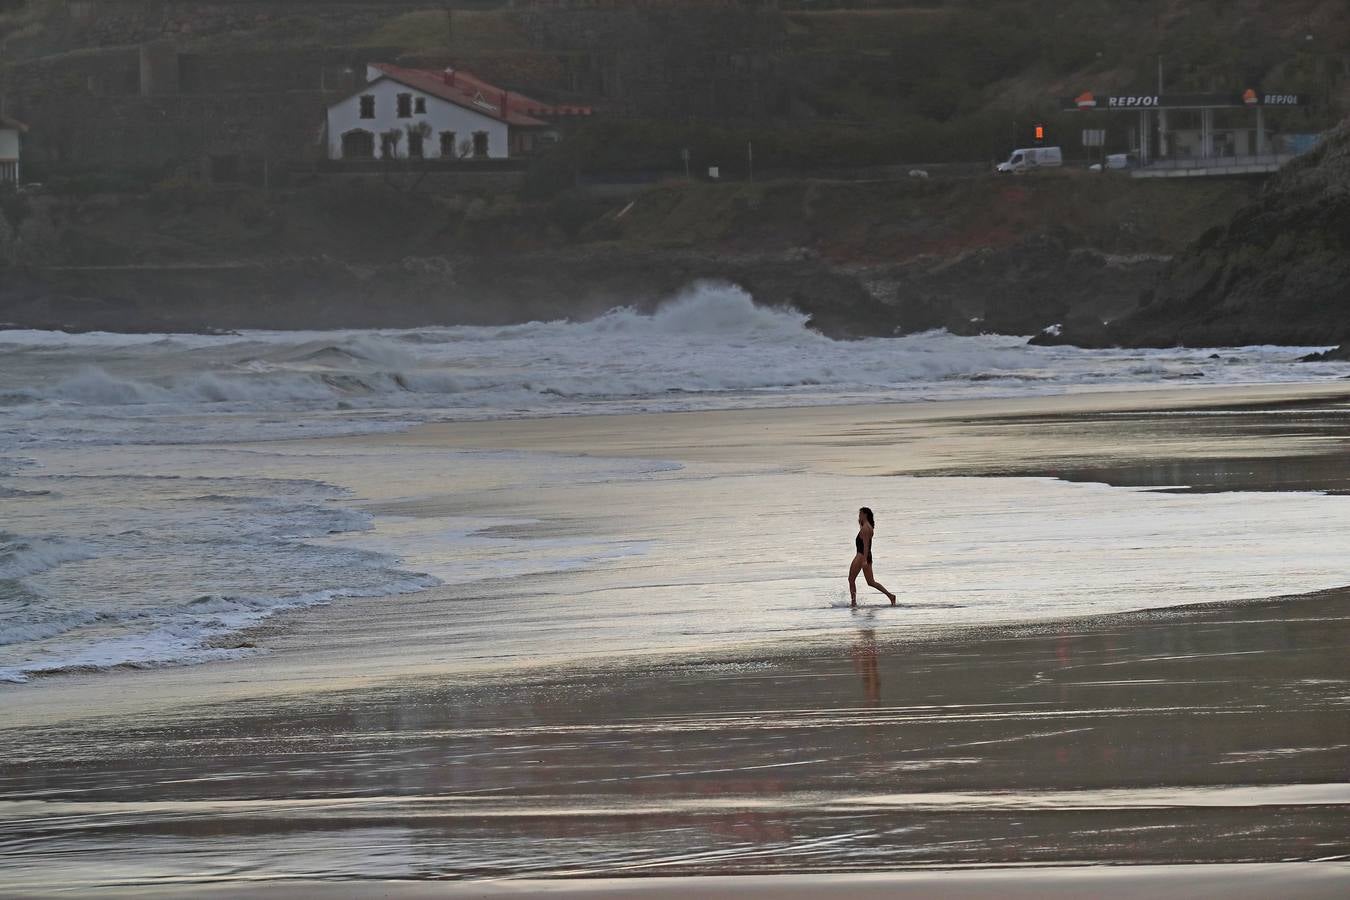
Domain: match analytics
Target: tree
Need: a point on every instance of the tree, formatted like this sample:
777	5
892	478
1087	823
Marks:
418	135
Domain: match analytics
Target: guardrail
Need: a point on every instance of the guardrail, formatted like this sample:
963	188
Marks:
1214	166
1218	162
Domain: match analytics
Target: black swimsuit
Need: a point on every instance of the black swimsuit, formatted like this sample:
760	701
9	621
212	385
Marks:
858	542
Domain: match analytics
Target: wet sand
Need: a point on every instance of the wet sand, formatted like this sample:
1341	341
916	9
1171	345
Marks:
1215	734
1235	882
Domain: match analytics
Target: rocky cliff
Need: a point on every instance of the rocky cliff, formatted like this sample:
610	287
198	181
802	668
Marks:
1277	273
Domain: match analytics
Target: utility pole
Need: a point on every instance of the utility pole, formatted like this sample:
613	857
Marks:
1162	114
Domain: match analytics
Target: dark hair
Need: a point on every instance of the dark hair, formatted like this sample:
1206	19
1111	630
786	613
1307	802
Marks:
866	511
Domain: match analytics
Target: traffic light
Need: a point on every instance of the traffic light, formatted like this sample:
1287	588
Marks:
1040	133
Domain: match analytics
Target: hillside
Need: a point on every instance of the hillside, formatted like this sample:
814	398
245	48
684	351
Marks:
928	81
872	257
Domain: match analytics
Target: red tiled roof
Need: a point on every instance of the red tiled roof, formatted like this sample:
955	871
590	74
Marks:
467	90
7	122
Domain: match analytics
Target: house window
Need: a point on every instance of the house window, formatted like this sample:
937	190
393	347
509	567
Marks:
420	105
480	144
404	106
358	144
448	145
414	144
367	106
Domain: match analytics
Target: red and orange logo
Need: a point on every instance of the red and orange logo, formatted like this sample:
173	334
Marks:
1085	100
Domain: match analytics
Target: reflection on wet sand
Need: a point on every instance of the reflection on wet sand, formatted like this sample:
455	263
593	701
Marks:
866	661
1208	734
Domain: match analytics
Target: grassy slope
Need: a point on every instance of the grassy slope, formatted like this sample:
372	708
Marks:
895	221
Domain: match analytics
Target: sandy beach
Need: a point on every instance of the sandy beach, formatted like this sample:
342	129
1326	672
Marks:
1173	723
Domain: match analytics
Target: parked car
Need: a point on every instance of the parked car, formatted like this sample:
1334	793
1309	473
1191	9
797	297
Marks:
1030	158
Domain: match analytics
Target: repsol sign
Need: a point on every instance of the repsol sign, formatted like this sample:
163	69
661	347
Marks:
1140	101
1248	98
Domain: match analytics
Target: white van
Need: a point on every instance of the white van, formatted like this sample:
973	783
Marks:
1032	158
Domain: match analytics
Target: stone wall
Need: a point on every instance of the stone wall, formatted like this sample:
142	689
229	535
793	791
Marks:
87	73
469	178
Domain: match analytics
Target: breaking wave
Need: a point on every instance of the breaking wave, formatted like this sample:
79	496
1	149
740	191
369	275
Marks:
710	345
21	557
256	544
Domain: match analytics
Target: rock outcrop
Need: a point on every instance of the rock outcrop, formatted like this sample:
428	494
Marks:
1277	273
1335	354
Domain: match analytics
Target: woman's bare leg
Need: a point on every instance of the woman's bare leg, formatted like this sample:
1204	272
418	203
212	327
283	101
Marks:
872	582
854	568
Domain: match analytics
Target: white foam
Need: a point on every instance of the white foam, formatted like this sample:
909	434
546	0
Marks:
154	569
184	635
21	557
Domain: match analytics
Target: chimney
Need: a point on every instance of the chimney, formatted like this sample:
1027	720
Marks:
505	94
448	76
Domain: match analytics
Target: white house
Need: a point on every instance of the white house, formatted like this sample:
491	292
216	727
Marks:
10	145
433	114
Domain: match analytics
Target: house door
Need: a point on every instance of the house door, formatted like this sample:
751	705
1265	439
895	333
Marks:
358	144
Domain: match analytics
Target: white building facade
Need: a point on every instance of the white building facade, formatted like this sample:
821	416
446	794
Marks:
427	114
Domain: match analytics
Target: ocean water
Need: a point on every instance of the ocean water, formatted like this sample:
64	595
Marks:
157	497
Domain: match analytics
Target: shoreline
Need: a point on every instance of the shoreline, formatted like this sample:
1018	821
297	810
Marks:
1239	881
679	434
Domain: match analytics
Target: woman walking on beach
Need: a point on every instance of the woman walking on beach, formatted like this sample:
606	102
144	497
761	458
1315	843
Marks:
862	560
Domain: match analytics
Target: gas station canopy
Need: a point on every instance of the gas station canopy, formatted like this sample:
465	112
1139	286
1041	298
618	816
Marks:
1087	101
1163	152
